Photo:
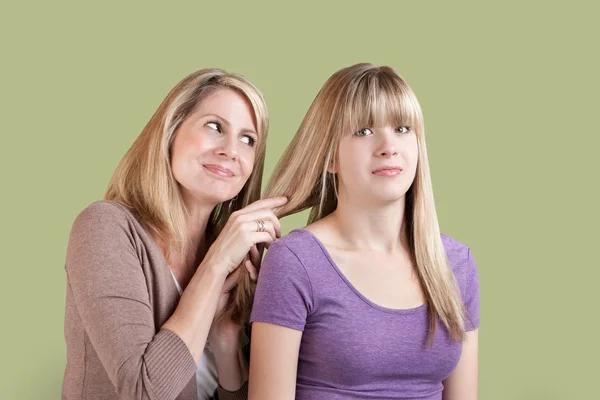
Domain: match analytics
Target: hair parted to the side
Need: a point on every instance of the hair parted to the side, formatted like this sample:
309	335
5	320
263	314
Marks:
365	95
143	180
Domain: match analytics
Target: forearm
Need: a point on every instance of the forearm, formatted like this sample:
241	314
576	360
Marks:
195	312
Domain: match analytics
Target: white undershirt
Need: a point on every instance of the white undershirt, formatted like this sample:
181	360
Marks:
206	373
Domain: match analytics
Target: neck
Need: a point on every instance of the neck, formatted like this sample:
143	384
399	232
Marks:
368	227
197	222
199	215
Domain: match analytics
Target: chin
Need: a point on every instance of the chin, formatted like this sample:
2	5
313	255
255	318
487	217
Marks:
388	200
214	196
216	199
389	196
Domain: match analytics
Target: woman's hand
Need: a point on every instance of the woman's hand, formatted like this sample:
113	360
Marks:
241	236
252	225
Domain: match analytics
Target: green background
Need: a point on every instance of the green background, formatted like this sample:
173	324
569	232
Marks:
509	92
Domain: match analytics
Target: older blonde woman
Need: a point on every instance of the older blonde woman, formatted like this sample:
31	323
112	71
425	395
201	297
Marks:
151	268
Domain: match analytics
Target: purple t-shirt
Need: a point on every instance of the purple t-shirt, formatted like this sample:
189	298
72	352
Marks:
352	348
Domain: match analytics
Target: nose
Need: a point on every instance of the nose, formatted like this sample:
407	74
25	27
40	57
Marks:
228	148
387	146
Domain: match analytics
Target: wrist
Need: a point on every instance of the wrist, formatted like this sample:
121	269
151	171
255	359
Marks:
213	272
214	269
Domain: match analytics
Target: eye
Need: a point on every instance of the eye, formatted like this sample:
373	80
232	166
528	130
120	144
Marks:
249	140
403	129
214	125
363	132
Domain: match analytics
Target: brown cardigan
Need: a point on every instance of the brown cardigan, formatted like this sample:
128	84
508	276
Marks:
120	292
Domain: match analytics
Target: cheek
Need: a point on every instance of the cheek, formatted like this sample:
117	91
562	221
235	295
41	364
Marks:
344	166
197	144
186	149
177	154
185	145
247	157
351	170
411	152
352	157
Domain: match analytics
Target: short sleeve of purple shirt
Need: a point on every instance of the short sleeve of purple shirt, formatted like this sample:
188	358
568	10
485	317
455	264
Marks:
470	292
352	348
285	294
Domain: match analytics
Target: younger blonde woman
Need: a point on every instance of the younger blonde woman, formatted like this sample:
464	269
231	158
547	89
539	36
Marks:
368	301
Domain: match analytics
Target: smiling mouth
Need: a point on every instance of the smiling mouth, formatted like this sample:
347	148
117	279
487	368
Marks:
387	171
219	170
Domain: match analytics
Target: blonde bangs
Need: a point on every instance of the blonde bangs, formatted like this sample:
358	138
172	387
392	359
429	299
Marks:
379	98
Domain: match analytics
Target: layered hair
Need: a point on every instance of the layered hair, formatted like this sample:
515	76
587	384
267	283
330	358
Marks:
365	95
143	180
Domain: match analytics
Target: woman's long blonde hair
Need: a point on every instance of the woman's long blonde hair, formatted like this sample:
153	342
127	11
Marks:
365	95
143	180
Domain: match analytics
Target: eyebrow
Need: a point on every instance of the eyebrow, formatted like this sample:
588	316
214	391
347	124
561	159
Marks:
244	130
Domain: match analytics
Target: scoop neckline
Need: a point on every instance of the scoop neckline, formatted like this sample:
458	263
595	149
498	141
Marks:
353	288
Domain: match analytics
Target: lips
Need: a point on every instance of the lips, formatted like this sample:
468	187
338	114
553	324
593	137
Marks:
219	170
388	170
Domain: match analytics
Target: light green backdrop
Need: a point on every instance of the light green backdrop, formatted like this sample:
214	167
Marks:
510	97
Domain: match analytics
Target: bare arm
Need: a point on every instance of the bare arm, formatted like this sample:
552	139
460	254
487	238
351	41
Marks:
462	384
274	362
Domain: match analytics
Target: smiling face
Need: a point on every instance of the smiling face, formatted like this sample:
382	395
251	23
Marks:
213	151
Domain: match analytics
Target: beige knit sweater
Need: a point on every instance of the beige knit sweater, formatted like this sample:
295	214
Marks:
119	293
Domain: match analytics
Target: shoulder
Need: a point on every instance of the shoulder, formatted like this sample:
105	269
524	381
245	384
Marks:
290	246
297	253
103	225
102	211
463	266
456	251
465	272
299	245
460	259
104	216
298	239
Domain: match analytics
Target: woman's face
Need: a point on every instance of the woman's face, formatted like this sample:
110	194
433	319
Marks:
377	165
212	155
